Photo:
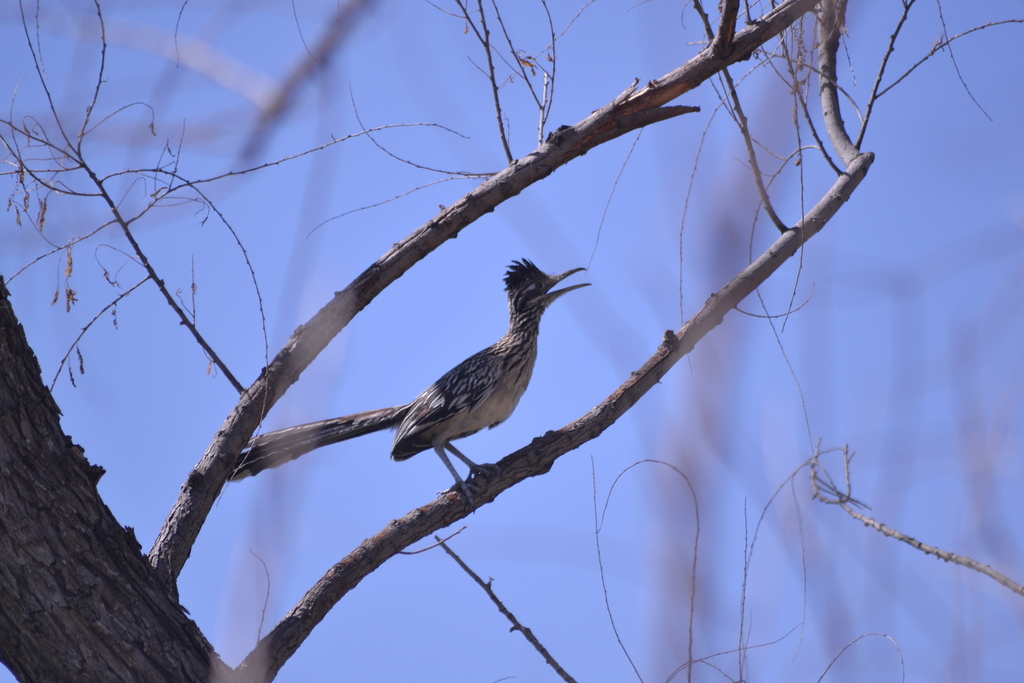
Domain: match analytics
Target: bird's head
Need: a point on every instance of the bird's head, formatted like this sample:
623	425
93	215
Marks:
529	287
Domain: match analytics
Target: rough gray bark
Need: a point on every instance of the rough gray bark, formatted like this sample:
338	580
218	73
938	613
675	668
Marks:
78	601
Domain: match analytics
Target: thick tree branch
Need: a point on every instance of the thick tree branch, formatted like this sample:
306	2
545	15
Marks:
76	594
537	458
726	28
627	112
833	15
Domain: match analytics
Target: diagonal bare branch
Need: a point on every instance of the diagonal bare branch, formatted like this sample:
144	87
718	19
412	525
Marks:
828	492
125	225
516	624
538	457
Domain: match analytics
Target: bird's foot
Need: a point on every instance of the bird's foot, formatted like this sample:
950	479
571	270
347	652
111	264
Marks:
470	485
467	491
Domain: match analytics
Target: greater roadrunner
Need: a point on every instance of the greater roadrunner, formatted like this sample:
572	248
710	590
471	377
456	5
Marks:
481	391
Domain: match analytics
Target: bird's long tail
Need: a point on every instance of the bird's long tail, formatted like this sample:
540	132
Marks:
276	448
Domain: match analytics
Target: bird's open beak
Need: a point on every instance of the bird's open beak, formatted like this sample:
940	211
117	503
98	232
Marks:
551	296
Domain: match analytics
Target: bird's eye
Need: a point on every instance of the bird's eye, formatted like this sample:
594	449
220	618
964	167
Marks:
532	286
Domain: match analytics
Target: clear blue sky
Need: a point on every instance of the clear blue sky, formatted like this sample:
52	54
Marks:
906	347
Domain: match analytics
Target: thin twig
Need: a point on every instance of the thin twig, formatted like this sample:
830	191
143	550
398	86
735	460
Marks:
266	594
485	41
748	557
599	524
706	660
73	152
368	131
611	195
434	545
802	99
798	98
956	67
741	121
521	60
719	42
686	202
144	261
939	45
381	202
85	329
57	248
99	77
907	4
549	79
903	665
40	71
827	492
516	624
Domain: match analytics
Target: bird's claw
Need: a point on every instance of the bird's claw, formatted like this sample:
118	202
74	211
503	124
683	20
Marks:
469	486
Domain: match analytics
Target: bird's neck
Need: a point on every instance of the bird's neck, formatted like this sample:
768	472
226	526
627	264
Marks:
522	329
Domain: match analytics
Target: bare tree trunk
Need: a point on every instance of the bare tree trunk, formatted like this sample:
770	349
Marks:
78	601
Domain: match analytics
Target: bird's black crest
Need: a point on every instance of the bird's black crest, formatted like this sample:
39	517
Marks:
521	272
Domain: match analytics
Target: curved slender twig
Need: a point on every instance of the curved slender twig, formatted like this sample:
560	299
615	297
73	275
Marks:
85	329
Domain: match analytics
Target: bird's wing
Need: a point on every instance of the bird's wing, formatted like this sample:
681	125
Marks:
461	389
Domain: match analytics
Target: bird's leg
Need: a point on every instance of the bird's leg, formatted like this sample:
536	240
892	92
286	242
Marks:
474	469
463	486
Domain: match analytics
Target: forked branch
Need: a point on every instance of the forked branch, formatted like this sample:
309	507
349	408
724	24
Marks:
827	491
630	111
537	458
